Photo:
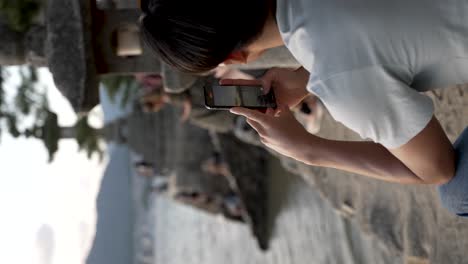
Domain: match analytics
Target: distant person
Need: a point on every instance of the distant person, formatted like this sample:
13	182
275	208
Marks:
216	166
366	60
144	169
160	184
154	98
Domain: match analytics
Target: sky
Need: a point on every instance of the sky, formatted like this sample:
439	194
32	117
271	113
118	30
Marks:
37	196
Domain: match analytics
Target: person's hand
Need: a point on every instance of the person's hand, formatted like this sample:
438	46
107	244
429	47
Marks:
279	131
289	85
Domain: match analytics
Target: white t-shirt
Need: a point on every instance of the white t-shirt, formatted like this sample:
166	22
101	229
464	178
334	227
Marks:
370	59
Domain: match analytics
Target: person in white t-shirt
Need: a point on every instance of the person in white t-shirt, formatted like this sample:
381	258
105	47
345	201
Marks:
367	61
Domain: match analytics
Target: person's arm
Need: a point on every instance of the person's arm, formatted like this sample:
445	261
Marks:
430	154
426	159
364	158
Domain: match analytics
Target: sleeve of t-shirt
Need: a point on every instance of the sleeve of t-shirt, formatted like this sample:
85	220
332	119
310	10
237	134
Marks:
376	105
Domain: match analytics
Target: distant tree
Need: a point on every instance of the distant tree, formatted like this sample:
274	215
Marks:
106	4
2	97
27	101
88	137
20	14
30	116
49	133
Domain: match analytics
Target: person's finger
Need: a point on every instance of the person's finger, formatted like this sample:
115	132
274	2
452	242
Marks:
240	82
268	79
270	112
283	110
277	111
257	126
250	114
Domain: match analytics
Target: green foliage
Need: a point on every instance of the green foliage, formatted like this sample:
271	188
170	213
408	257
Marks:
32	105
27	101
26	94
2	93
34	131
50	134
29	104
2	96
88	138
127	85
19	13
12	126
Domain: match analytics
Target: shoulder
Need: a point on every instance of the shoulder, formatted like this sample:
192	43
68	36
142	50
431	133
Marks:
376	103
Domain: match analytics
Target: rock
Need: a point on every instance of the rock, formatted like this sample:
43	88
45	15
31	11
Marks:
69	51
193	146
179	149
248	167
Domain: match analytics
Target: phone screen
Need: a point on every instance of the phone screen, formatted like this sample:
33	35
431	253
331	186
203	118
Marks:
245	96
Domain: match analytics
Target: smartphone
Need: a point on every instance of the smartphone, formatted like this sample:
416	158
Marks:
219	97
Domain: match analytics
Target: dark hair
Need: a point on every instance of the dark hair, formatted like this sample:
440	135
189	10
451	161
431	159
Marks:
197	35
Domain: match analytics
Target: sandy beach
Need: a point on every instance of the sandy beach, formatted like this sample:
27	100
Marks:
327	216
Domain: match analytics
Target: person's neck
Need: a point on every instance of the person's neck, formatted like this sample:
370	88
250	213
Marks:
271	36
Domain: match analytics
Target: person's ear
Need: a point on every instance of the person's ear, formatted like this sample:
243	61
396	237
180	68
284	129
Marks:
237	57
